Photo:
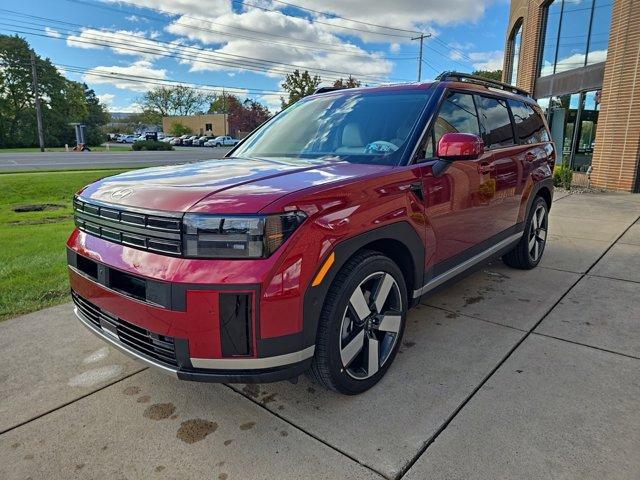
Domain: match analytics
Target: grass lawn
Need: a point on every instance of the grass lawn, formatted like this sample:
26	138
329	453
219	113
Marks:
33	272
116	148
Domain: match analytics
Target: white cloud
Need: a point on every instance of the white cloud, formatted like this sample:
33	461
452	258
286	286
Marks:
491	60
122	42
136	19
208	8
106	99
272	100
52	32
316	47
394	47
116	75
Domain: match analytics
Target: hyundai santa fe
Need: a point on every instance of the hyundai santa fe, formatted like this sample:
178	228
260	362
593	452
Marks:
304	248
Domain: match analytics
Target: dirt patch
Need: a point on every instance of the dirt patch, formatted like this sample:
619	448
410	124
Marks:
194	430
228	442
283	433
223	476
159	411
131	391
143	399
409	344
42	221
247	426
252	390
268	398
472	300
37	207
160	468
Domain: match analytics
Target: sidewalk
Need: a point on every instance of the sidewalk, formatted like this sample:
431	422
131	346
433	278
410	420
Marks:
508	374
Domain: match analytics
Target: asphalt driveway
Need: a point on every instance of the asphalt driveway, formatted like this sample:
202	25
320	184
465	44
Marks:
24	162
508	374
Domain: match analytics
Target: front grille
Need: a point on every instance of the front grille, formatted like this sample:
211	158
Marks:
157	347
146	231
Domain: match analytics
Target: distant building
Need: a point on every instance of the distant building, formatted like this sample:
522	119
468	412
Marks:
210	124
581	60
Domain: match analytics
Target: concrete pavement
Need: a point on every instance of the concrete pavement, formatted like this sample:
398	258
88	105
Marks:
508	374
23	162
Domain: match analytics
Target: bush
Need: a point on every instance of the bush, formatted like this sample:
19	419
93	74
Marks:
150	145
177	129
563	176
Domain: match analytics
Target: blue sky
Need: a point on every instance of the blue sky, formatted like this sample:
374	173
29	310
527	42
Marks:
247	46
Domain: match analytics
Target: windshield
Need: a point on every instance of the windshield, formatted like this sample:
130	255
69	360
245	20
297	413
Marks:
359	127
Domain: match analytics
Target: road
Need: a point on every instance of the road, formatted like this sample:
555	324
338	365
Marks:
16	162
507	374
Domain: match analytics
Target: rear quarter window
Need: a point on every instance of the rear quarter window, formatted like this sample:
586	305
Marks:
495	122
529	125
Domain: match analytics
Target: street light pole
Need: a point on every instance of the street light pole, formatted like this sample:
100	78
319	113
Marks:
421	38
34	74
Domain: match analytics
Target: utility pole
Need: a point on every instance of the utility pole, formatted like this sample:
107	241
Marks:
421	38
224	110
34	74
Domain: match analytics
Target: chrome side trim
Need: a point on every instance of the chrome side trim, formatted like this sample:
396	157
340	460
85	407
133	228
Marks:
115	343
254	363
443	277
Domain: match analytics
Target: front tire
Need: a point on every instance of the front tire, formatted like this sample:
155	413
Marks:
528	252
361	324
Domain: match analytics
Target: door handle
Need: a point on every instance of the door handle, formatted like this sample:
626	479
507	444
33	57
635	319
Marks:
416	188
485	168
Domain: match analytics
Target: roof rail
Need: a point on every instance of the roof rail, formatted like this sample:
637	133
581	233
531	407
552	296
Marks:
327	89
487	82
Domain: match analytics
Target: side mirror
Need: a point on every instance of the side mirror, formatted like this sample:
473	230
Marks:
460	146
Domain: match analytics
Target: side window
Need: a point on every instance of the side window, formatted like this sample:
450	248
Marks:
457	115
529	125
497	130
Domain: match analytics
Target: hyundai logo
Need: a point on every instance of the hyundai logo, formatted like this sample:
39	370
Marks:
122	193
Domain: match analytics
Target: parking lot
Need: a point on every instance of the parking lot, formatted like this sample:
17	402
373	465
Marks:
508	374
21	162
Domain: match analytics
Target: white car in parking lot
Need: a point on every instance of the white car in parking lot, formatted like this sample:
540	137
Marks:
223	141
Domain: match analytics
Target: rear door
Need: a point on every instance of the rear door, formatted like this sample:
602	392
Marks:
504	190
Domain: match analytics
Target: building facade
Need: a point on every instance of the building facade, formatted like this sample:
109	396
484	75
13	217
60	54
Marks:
214	124
581	61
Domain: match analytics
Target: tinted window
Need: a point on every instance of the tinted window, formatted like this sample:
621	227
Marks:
353	125
495	121
457	115
529	125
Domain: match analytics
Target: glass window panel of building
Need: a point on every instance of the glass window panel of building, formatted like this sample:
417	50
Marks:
516	42
576	34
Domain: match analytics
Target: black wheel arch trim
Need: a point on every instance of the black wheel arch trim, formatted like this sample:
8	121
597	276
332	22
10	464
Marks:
314	296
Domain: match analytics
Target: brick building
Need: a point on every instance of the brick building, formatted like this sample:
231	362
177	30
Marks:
581	61
213	124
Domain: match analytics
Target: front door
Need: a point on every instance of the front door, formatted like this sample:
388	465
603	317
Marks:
458	214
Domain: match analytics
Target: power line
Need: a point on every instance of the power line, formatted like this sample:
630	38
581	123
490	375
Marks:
153	47
343	18
258	7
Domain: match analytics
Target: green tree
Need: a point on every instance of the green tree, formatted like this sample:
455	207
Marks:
298	85
350	82
177	129
175	100
63	101
243	116
490	74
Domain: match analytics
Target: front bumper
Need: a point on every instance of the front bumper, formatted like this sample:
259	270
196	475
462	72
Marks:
258	370
183	328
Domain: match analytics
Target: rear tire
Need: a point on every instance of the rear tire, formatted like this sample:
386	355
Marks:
361	324
528	251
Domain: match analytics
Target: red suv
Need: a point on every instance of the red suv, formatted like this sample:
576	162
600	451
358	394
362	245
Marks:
303	249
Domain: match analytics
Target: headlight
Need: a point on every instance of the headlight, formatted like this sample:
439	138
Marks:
238	236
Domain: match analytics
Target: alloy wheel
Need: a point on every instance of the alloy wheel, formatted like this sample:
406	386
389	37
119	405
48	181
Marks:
538	233
370	325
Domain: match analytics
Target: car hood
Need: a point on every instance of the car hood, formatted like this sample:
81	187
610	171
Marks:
241	185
